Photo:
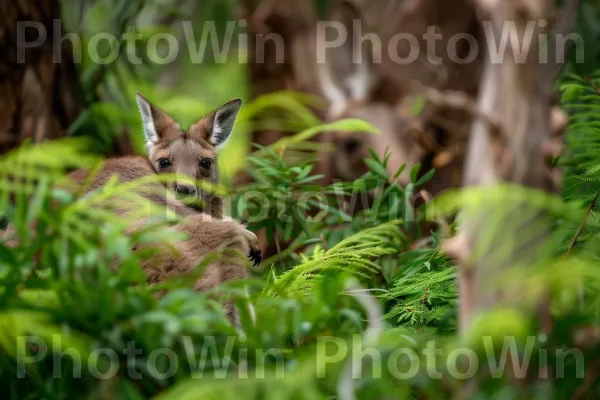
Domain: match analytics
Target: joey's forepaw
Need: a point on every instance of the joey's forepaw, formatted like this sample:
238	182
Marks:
255	254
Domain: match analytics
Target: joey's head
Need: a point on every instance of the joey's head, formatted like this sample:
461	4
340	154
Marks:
190	154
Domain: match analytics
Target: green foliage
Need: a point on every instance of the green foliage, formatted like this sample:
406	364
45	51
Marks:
353	280
424	295
580	96
72	281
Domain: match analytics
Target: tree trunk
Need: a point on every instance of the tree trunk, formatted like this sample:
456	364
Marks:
506	144
37	95
287	68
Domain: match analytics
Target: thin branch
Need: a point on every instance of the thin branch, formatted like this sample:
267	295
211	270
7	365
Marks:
459	100
587	214
591	82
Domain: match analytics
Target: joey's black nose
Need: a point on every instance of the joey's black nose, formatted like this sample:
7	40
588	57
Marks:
350	145
186	190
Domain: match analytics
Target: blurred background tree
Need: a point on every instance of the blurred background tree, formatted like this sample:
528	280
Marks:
40	98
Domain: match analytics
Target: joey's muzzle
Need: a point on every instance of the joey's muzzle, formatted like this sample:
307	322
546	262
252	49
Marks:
186	190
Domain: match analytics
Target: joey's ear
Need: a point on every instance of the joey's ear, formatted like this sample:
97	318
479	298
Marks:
223	121
155	120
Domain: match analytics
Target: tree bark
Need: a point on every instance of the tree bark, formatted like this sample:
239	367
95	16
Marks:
288	67
37	95
514	92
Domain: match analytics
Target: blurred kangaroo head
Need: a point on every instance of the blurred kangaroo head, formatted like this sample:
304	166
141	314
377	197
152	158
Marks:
348	81
191	153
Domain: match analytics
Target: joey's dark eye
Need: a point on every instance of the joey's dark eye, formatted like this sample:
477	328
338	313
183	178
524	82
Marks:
164	163
205	163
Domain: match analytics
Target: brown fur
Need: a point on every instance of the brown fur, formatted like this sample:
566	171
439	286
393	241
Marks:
206	235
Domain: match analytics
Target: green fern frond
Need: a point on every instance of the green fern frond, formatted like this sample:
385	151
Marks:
354	255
